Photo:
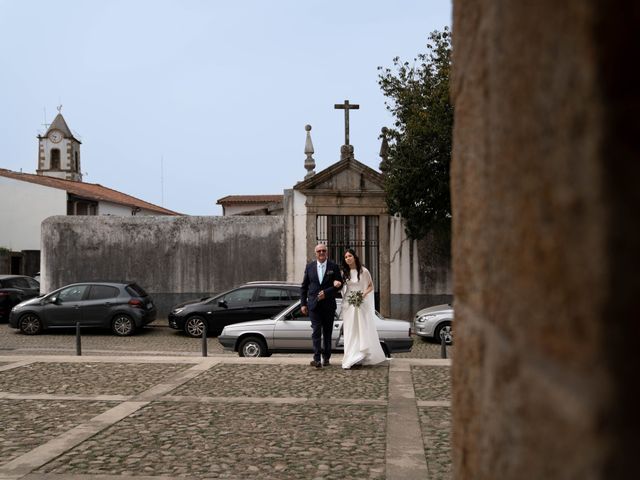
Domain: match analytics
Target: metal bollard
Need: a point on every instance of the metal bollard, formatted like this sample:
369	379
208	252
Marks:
204	340
443	347
78	341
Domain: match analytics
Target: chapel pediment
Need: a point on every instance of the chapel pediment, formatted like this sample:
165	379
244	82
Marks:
345	177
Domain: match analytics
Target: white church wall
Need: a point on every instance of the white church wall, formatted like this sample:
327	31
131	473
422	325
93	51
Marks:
233	209
295	234
403	253
420	273
24	207
108	208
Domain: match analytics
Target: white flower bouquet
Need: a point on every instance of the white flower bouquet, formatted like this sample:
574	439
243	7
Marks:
355	298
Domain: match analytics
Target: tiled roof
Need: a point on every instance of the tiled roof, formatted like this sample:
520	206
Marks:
232	199
90	191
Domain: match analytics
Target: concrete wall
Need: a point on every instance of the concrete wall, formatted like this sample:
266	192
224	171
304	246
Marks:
173	258
29	205
295	214
545	241
421	273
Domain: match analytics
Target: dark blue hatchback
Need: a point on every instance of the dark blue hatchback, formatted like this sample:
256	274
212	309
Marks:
121	307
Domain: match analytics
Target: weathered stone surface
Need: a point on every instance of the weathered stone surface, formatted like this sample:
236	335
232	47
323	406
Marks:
173	258
539	184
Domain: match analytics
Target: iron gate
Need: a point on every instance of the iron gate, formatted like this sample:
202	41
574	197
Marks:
359	232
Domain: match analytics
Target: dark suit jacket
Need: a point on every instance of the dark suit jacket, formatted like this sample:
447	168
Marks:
311	287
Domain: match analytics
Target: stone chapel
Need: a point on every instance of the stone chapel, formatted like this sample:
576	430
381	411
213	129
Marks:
344	206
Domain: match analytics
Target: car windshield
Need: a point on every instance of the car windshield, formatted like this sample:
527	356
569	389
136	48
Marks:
291	310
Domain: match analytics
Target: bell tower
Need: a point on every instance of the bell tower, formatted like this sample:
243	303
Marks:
59	151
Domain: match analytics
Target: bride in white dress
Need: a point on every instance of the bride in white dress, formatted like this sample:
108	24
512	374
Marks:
361	341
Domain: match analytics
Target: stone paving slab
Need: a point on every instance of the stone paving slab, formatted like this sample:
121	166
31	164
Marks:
278	381
432	383
237	441
27	424
227	417
436	430
85	378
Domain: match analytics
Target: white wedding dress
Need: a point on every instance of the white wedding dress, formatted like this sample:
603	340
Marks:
361	341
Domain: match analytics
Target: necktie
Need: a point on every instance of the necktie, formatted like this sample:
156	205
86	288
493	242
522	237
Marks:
321	276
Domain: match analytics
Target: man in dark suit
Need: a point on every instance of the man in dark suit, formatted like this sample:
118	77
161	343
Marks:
317	294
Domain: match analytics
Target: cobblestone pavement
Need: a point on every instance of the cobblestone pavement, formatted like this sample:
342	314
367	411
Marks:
133	409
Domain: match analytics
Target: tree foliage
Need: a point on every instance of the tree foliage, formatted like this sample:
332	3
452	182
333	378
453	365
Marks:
417	170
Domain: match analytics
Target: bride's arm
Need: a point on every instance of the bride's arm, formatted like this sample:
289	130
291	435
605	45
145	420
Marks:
368	281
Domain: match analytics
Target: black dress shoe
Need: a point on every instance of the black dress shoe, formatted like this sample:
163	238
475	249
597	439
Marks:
313	363
326	363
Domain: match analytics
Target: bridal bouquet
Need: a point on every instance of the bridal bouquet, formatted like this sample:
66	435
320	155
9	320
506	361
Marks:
355	298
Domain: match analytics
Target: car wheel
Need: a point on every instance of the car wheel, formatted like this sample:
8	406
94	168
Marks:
194	326
30	324
444	330
123	325
252	347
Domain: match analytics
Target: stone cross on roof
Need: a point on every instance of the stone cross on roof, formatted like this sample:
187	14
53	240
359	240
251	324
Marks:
346	106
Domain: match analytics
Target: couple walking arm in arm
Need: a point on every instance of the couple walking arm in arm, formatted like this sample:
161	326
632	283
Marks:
322	279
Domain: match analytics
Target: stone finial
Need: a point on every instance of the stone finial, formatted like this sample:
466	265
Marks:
346	152
309	163
384	150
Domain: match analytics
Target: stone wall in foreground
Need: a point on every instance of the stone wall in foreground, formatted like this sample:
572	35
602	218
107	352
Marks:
545	240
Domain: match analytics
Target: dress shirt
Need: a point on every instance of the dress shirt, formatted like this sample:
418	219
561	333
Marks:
321	267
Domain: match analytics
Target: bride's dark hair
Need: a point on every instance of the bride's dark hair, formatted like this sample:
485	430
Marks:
346	270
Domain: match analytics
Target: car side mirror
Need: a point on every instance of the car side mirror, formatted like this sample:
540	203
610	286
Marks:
222	303
55	300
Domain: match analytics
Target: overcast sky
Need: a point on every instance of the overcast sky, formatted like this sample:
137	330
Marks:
181	103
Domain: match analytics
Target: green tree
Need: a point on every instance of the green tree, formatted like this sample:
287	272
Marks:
417	170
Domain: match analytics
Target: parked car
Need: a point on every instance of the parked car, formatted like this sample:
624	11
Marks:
290	331
122	307
434	323
251	301
15	289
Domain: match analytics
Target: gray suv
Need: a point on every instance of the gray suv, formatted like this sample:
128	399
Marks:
122	307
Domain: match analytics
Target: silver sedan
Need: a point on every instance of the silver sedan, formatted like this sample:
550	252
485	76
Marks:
290	331
435	322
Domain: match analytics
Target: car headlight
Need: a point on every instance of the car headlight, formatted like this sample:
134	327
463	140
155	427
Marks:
178	310
424	318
